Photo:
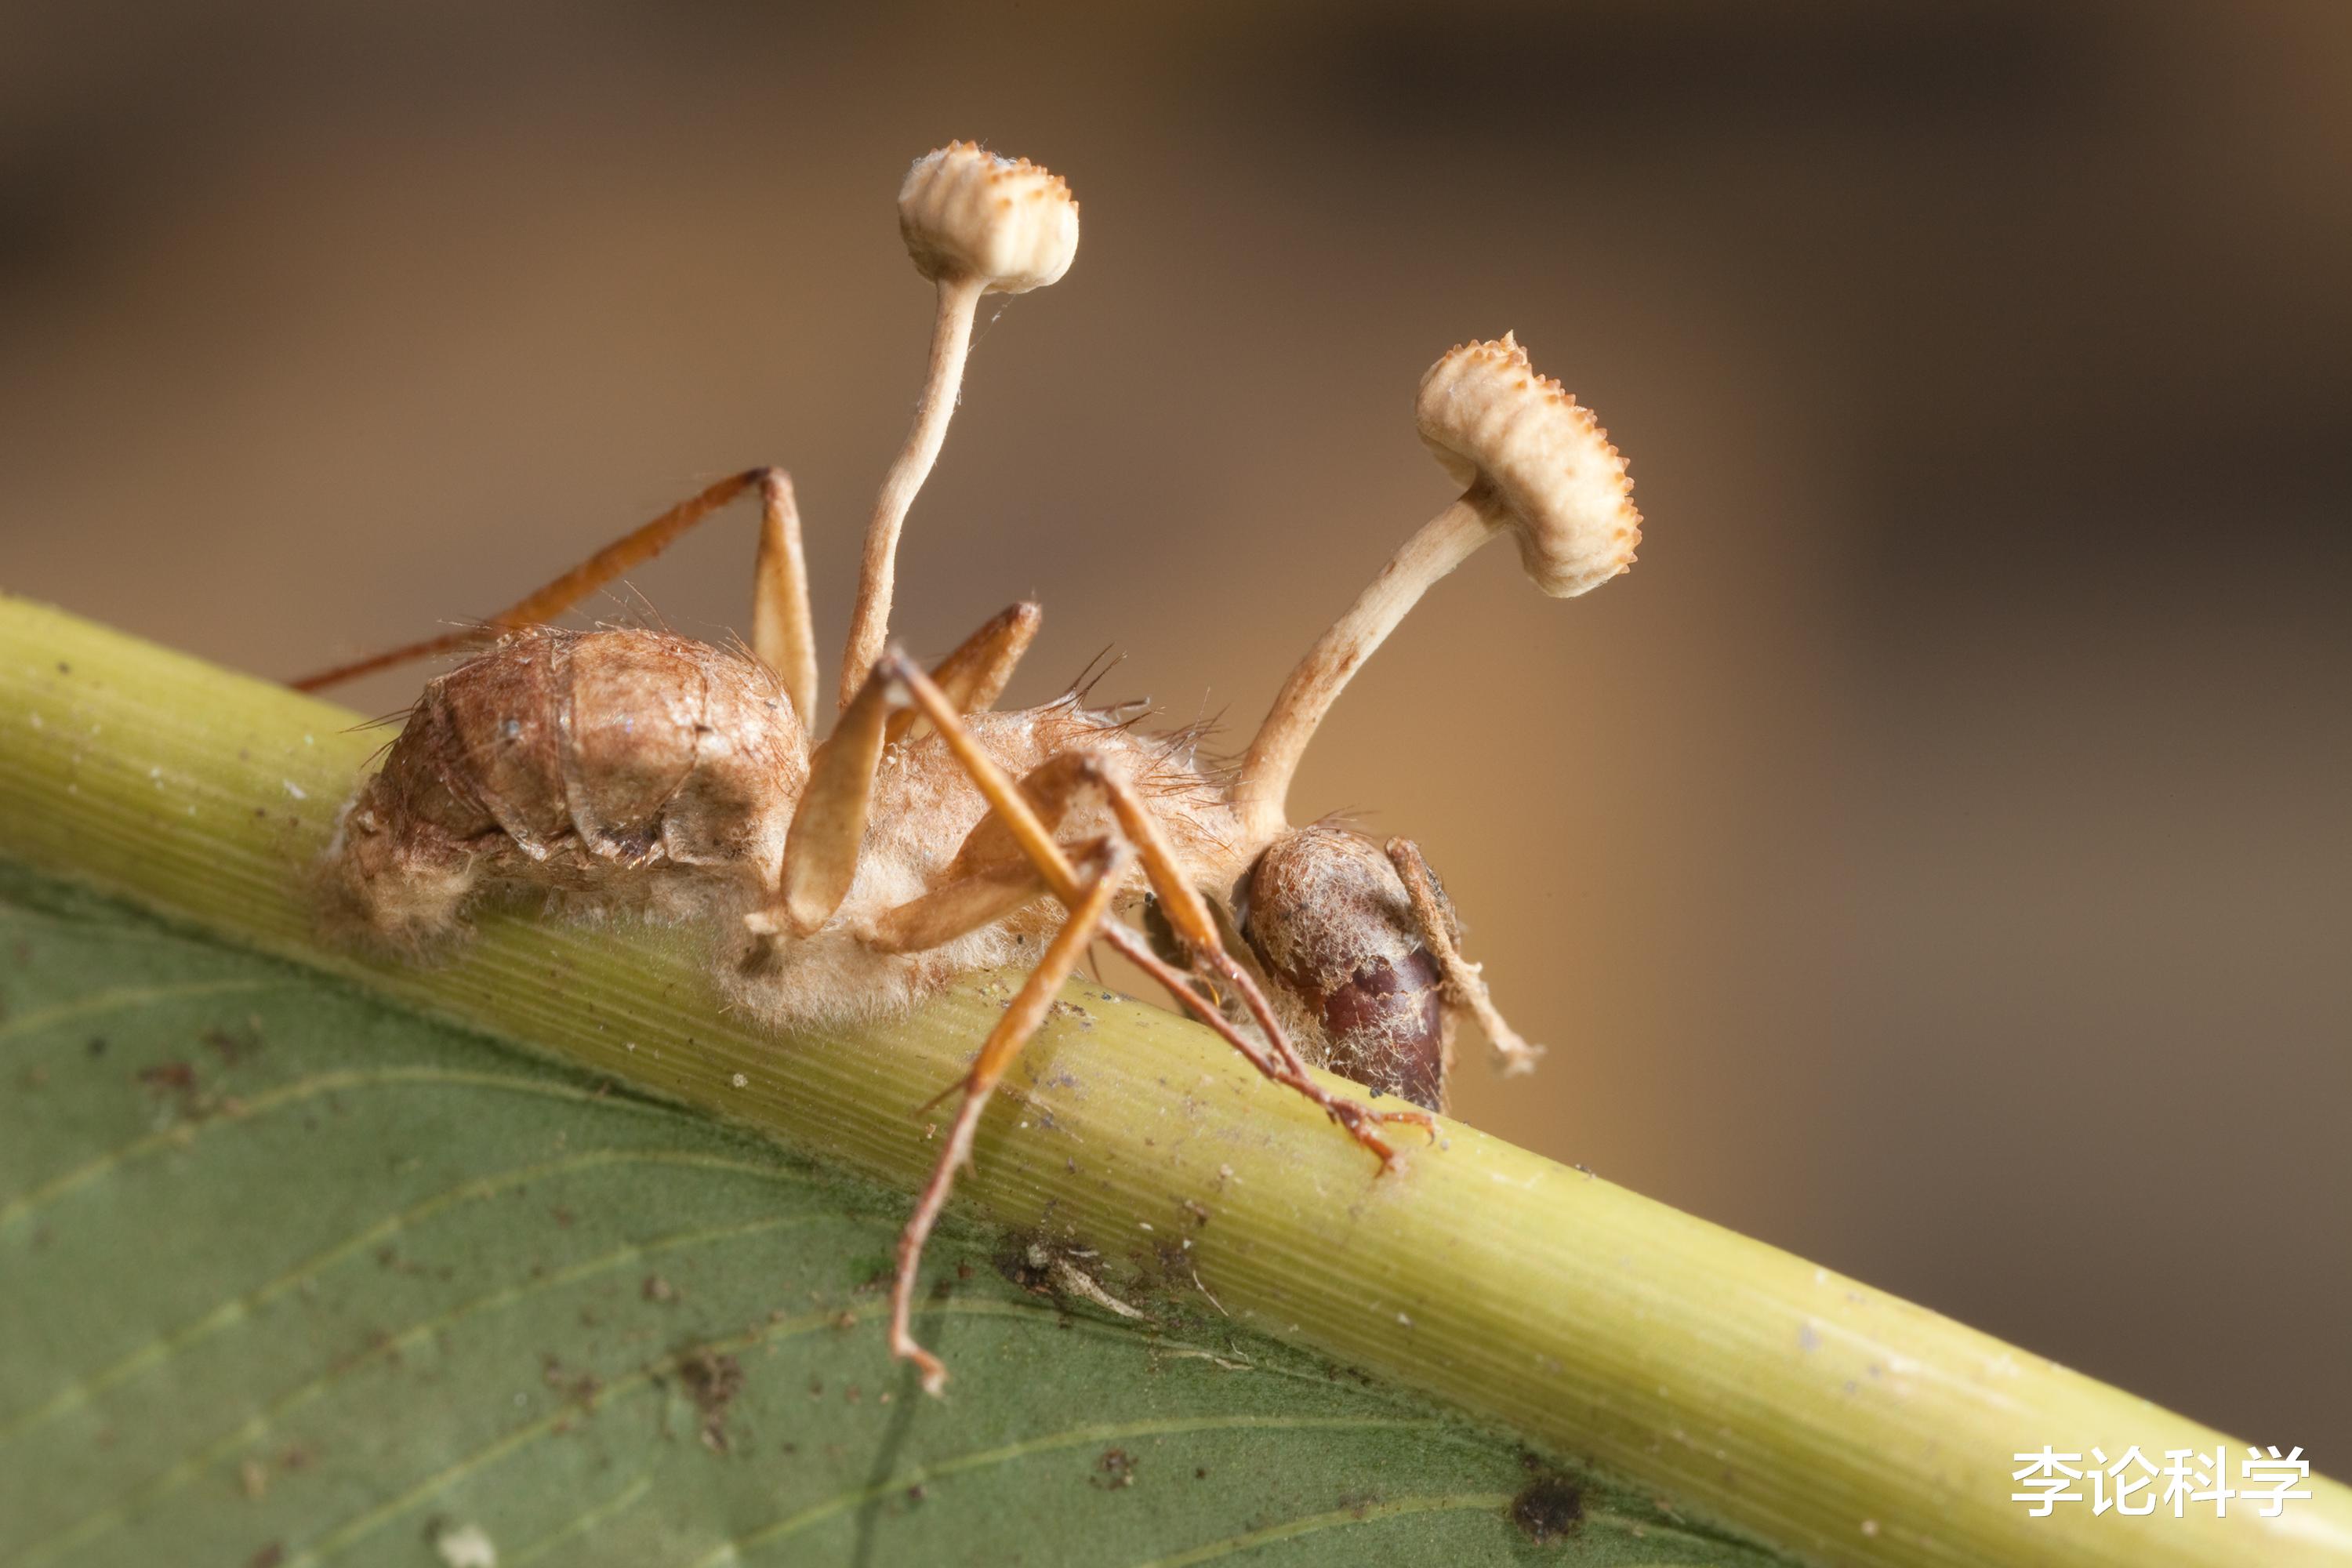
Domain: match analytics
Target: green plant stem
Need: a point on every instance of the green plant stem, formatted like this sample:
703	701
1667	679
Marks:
1828	1418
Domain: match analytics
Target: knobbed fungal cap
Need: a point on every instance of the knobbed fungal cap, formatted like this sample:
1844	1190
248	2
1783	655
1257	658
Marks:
967	213
1486	414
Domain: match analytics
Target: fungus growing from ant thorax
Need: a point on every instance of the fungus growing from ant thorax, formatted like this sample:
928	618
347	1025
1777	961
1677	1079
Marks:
927	836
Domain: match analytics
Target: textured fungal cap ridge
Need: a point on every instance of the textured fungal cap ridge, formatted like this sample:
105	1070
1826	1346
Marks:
965	212
1486	414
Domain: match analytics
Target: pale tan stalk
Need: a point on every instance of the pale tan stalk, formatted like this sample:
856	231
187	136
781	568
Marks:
1531	460
1443	542
869	627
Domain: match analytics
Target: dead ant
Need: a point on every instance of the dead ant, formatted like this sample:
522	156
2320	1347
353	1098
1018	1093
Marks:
622	769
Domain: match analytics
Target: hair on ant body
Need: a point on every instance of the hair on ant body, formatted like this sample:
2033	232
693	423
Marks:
930	834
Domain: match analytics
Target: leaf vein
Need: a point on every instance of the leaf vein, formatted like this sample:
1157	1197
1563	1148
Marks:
121	999
294	1093
612	1508
1076	1436
159	1350
254	1427
1337	1519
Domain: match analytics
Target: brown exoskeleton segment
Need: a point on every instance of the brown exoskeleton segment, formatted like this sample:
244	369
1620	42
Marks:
1325	915
928	836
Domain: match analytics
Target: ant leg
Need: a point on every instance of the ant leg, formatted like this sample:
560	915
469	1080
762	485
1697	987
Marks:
783	633
962	904
780	629
1051	788
829	825
1461	977
1012	1031
974	676
1188	914
1022	822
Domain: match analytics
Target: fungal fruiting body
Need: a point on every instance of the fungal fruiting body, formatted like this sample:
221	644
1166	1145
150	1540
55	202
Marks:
1538	461
928	836
974	224
965	212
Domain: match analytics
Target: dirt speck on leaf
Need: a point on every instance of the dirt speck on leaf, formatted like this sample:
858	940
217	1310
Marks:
169	1077
233	1045
1548	1510
1030	1266
580	1386
176	1081
713	1381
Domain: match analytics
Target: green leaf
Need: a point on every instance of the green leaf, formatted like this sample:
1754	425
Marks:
294	1276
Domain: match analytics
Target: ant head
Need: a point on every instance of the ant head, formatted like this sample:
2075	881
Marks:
1348	961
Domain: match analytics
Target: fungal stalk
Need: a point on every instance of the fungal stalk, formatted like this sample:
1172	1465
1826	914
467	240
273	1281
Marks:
974	224
1534	463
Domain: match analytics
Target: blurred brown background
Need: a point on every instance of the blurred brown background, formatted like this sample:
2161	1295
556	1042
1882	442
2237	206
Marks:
1933	859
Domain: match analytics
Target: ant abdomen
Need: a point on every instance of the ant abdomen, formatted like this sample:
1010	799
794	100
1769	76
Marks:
1332	926
622	768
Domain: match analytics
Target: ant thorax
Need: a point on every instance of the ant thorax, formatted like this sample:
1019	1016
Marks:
926	818
928	836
